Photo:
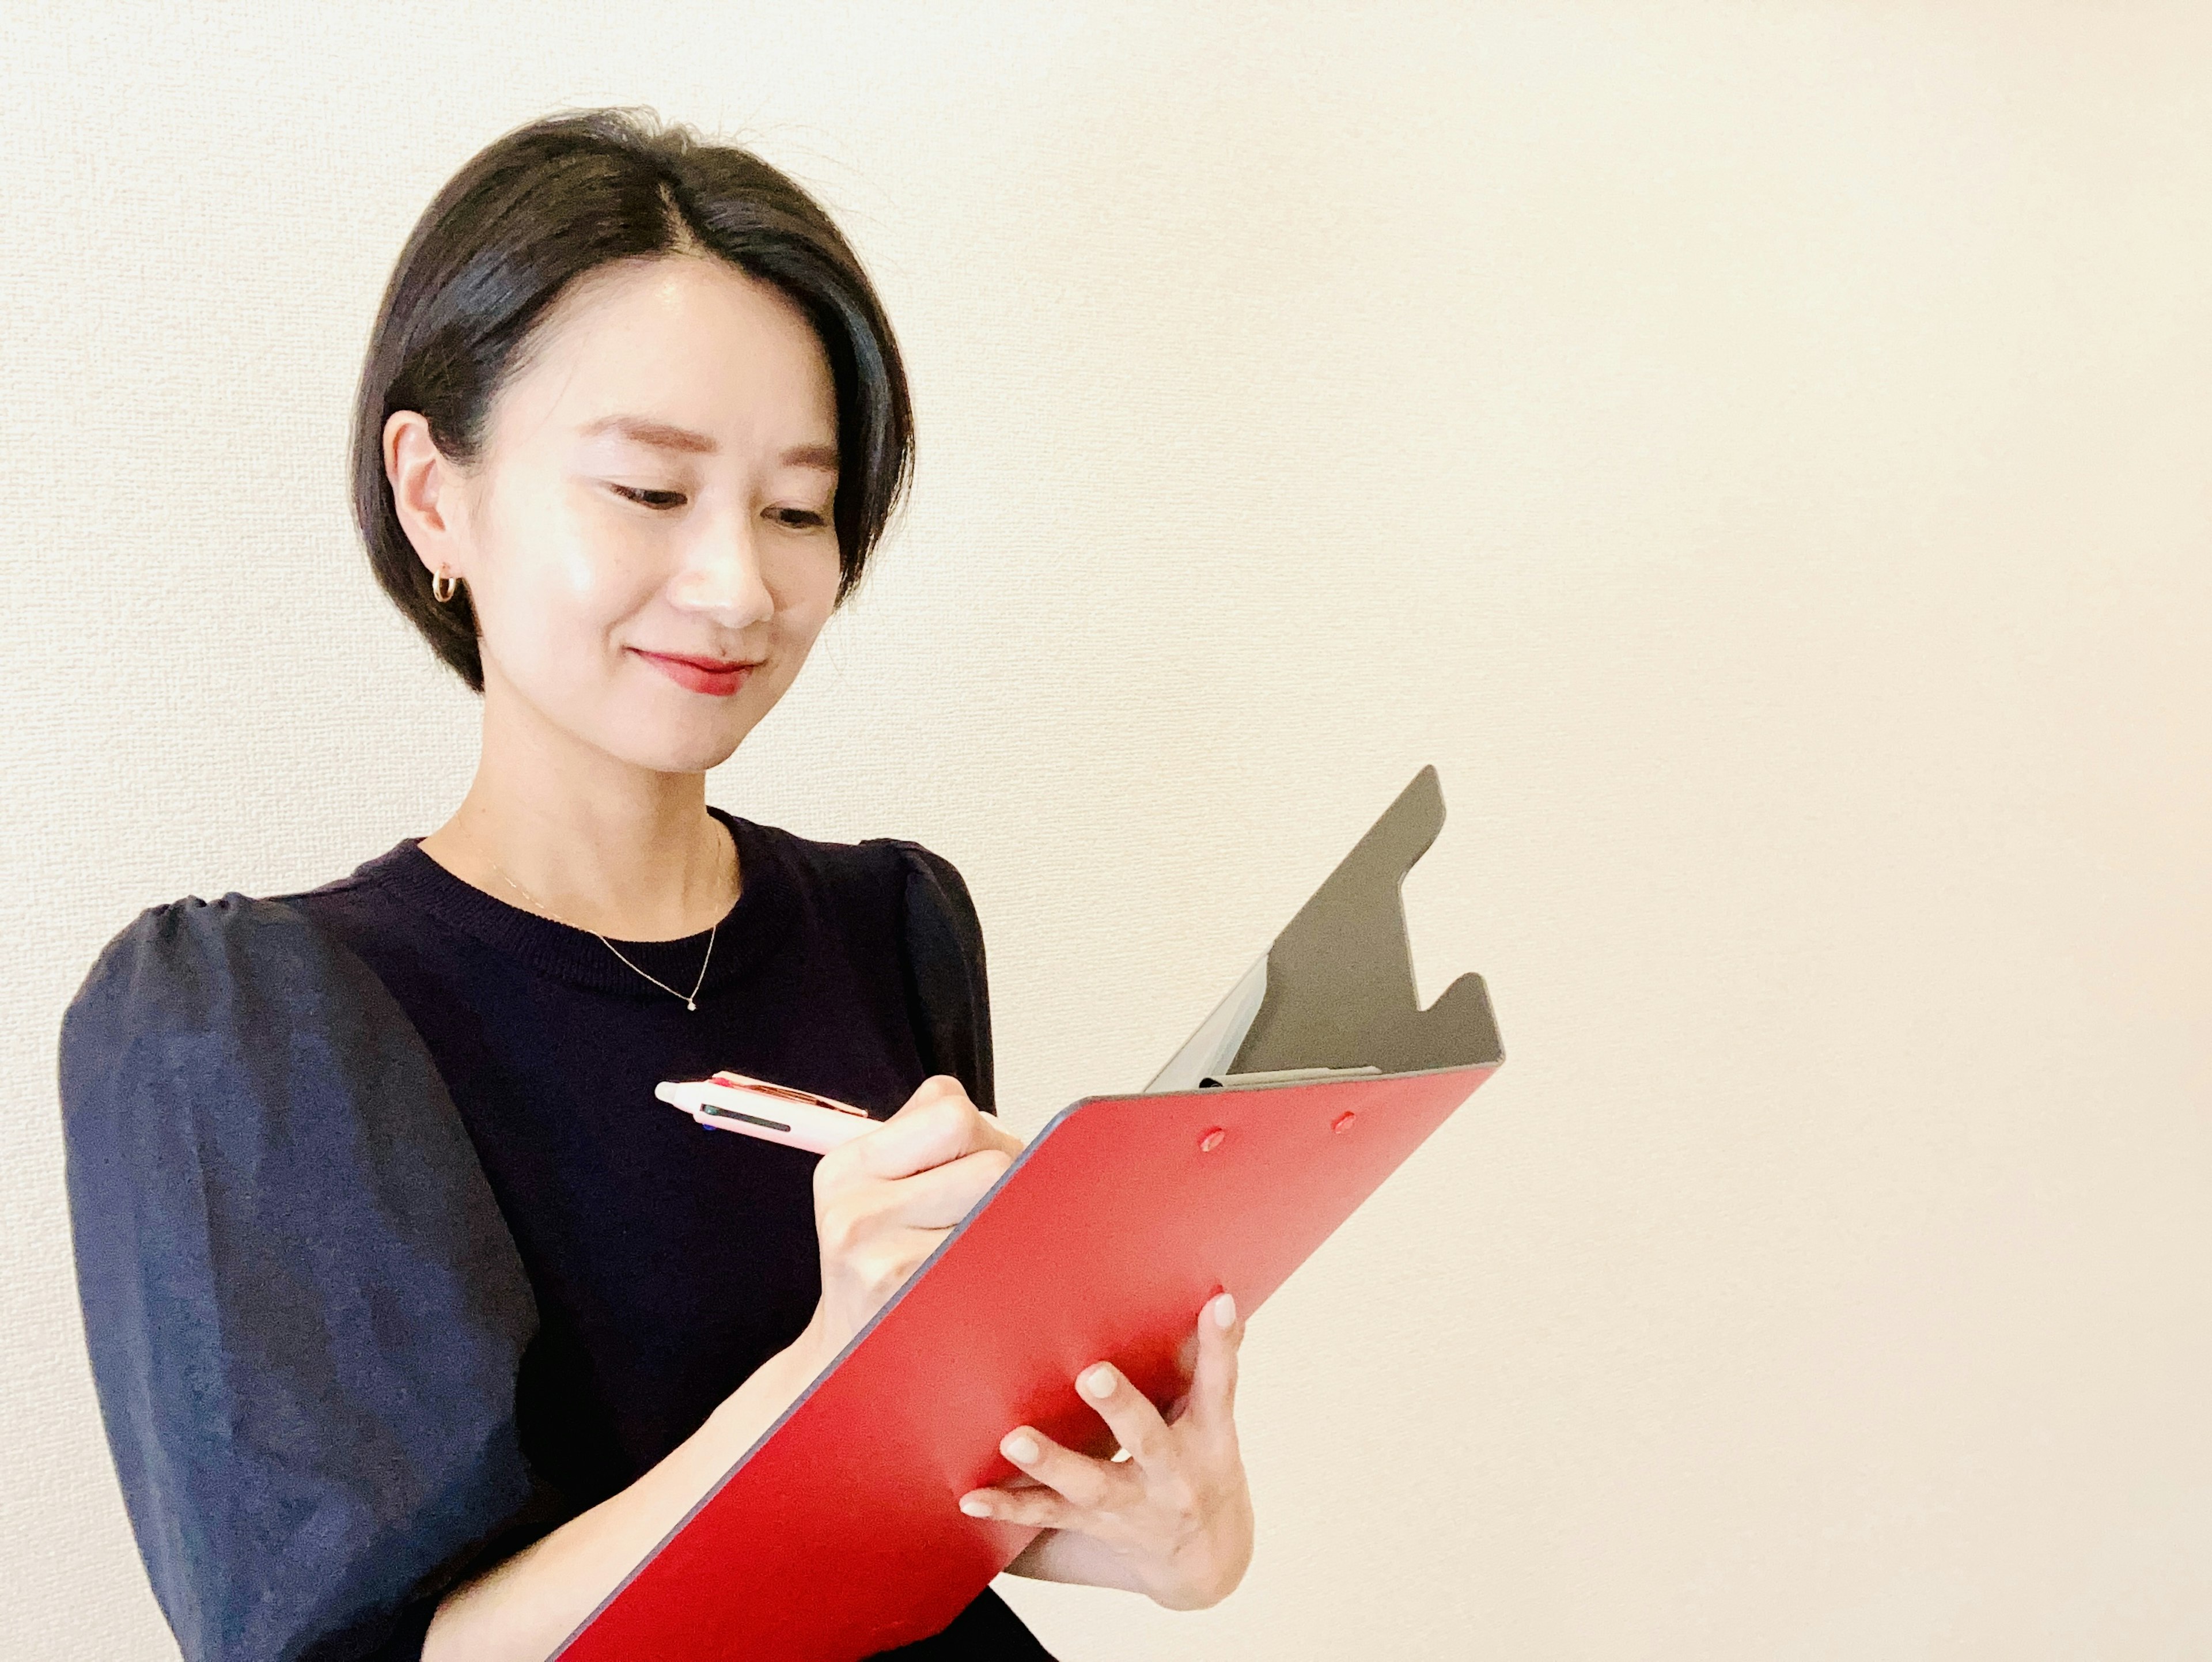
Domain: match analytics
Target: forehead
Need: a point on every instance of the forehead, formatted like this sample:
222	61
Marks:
689	339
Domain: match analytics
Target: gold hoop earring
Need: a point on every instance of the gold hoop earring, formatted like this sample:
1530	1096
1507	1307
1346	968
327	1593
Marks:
444	585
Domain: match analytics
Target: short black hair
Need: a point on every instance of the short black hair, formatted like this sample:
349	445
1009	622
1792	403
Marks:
532	212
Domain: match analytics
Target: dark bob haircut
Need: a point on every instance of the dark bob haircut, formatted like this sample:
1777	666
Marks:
536	209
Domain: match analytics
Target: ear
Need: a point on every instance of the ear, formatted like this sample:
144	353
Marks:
425	493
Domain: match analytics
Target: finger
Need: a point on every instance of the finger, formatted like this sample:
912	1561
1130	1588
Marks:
938	1087
1086	1483
942	1196
1213	1385
1035	1506
932	1126
1127	1412
983	1131
937	1124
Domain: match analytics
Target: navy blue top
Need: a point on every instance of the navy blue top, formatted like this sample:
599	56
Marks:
392	1261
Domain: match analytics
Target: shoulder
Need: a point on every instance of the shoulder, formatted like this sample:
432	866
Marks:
177	965
188	962
238	1032
915	881
917	898
236	1081
191	965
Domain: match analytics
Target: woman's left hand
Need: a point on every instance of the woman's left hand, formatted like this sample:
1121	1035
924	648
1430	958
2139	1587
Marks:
1173	1520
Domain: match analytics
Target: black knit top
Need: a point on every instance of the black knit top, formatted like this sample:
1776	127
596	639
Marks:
332	1388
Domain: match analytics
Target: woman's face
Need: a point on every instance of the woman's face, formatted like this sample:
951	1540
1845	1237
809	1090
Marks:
647	535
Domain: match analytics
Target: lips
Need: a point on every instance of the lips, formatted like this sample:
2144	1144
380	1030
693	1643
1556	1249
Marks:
718	677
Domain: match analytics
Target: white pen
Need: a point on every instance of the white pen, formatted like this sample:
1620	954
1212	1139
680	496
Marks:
774	1113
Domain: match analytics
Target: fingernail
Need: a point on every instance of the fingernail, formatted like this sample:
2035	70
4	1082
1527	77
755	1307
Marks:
975	1507
1224	1312
1020	1447
1099	1382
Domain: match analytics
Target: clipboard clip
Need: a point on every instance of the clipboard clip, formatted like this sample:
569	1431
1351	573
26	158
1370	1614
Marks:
1280	1076
1336	993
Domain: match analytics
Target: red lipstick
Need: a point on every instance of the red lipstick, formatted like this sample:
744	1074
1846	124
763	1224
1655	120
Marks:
718	677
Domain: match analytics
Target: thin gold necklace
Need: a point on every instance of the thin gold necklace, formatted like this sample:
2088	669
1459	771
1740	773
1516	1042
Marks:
690	1000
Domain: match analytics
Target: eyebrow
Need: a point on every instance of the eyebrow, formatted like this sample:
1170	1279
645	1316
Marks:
663	435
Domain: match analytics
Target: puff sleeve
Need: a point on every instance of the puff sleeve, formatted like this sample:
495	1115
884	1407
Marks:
304	1311
947	987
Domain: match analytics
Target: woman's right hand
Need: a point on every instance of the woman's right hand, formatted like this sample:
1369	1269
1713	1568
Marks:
884	1201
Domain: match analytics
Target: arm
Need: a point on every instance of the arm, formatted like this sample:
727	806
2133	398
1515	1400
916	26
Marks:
300	1299
881	1203
244	1266
526	1605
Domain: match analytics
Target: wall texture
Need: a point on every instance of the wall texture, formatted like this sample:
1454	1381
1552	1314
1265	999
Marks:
1757	451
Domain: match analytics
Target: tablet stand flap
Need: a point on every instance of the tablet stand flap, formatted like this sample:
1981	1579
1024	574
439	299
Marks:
1339	978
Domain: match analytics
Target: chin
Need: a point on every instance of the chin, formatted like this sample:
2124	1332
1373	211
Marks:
652	736
677	753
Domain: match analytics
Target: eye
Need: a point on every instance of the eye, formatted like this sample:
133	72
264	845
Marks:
660	499
798	519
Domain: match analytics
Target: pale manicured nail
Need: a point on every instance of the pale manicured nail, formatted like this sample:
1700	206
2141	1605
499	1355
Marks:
1019	1449
1099	1382
974	1507
1225	1312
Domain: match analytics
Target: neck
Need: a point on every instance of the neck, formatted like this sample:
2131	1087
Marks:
594	842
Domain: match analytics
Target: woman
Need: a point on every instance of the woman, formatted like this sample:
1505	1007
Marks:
414	1318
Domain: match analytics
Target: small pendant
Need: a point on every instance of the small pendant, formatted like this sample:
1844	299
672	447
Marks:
688	1005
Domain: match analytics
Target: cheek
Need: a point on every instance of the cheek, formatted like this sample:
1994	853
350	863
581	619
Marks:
565	580
804	591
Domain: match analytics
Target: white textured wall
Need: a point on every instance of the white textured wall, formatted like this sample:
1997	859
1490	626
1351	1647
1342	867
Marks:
1757	451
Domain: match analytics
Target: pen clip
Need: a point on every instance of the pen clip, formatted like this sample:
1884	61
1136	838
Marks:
789	1093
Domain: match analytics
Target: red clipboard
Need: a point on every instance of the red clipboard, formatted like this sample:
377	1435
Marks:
838	1534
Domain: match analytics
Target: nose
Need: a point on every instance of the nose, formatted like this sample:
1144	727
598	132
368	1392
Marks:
722	577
